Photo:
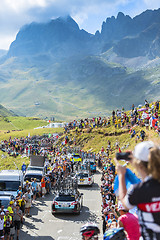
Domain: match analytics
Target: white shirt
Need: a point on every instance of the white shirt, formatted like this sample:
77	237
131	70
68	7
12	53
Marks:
1	224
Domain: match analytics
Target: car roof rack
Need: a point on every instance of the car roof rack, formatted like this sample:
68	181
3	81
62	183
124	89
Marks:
66	186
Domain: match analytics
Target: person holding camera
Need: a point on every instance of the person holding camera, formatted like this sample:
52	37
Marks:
146	194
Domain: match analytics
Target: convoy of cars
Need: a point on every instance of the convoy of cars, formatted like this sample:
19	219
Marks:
66	197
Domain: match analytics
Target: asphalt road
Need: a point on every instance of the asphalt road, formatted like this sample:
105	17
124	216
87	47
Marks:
44	226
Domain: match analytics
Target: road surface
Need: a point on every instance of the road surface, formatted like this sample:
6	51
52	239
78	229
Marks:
44	226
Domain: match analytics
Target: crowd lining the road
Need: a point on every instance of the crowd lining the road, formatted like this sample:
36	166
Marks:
113	213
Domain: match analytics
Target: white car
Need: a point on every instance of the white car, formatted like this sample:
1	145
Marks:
85	178
36	168
10	180
33	174
5	200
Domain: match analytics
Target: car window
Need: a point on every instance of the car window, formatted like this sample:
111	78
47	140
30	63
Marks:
4	202
34	169
9	185
76	156
83	175
29	176
65	198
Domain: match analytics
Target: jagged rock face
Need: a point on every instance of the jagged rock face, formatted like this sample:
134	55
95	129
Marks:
132	37
144	44
116	28
60	37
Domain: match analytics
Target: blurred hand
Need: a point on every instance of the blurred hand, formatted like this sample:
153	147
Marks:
121	170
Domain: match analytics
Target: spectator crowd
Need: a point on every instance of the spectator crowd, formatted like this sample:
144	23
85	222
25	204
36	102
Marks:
58	164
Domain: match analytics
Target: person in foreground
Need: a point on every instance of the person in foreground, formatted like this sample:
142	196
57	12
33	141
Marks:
89	231
145	195
129	222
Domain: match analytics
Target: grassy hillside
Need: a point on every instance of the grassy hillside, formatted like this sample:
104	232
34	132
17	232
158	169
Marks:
17	127
8	162
99	137
20	123
86	140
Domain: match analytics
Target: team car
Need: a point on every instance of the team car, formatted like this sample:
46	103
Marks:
76	157
85	178
67	203
67	198
89	164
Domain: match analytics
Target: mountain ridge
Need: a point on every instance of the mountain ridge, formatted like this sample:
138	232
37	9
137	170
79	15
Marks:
57	69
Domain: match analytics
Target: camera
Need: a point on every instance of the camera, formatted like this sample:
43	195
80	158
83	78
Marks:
123	156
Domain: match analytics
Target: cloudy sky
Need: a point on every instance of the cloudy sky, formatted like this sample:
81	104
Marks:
89	14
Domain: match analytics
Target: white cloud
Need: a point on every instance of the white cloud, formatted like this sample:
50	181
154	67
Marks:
89	14
152	3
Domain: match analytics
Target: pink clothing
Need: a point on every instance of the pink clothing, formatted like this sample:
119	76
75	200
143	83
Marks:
131	226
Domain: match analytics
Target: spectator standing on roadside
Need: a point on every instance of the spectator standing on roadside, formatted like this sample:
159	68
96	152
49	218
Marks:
22	203
23	168
157	105
28	203
129	222
17	219
19	190
7	225
26	186
10	207
35	188
48	184
145	195
43	186
2	226
2	209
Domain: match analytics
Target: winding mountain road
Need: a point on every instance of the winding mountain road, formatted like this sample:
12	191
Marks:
44	226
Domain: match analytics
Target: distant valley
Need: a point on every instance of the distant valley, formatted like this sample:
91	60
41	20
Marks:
56	70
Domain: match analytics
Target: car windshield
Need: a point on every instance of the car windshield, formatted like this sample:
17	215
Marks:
65	198
35	169
4	202
29	176
83	175
76	156
9	185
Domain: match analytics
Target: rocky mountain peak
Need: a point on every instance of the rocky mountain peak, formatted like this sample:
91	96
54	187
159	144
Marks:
60	36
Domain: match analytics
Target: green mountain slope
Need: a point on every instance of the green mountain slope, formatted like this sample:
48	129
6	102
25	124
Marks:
77	87
4	112
55	69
